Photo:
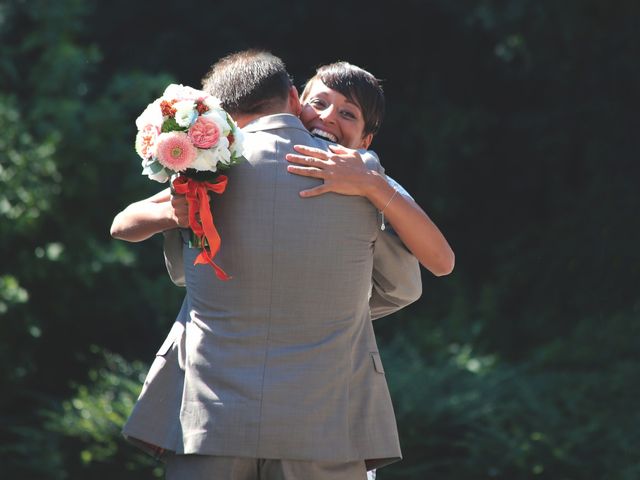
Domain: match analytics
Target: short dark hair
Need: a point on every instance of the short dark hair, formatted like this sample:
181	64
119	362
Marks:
358	85
251	81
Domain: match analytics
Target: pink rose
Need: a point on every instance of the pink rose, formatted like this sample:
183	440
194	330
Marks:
204	133
146	141
175	151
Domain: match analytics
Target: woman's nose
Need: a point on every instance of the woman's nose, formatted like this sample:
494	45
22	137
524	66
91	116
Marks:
327	114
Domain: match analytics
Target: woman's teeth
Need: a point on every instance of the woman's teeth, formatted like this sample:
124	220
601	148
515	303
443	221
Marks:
325	135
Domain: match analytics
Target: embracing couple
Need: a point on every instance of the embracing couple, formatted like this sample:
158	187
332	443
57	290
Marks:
276	374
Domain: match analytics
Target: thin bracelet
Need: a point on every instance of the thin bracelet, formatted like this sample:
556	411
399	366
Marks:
395	192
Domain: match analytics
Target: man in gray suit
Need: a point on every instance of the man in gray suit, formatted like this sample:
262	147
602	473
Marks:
277	372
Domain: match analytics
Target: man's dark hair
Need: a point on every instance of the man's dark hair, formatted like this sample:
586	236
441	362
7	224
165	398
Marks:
358	85
248	82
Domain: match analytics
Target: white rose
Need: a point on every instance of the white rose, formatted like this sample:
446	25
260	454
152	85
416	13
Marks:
212	103
186	112
181	92
205	160
222	150
152	115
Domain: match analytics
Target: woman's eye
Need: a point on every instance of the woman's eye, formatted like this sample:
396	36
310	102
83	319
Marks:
316	102
348	114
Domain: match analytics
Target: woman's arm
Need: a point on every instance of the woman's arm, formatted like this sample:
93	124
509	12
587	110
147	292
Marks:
344	172
142	219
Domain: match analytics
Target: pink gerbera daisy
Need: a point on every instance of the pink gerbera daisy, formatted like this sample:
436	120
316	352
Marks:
175	151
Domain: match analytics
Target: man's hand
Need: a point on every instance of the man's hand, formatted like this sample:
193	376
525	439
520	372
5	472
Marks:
342	170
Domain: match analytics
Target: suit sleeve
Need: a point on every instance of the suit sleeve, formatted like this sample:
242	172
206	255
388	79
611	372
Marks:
396	280
173	259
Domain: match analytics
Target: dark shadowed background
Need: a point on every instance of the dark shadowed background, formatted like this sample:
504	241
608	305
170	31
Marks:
514	125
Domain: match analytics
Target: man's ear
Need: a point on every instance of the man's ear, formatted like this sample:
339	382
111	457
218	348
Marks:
295	107
366	141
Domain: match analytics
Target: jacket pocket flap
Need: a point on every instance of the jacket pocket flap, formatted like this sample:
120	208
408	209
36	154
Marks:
166	346
377	362
174	335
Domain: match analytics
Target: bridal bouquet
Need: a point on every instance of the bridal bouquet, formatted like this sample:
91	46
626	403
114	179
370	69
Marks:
187	136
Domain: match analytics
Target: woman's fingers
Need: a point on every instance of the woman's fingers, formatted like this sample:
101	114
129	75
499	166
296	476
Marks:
341	169
311	151
315	191
306	171
340	149
305	160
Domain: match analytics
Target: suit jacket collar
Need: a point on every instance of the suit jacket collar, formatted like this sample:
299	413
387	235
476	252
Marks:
273	122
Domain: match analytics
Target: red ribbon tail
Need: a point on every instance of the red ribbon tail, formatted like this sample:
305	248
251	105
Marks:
198	199
204	258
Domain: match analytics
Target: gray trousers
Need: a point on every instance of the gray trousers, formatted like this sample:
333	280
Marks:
208	467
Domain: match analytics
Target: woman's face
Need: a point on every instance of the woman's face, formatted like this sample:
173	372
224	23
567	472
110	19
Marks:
329	114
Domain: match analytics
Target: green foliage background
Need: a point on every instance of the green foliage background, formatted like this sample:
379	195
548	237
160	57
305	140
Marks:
512	123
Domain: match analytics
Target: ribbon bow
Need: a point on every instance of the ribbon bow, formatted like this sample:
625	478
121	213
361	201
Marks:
196	193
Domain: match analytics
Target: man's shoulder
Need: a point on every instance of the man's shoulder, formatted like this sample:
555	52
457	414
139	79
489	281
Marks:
280	128
275	123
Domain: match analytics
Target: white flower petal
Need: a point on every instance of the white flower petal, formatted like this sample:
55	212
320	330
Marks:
206	160
152	115
237	149
212	102
222	151
181	92
185	112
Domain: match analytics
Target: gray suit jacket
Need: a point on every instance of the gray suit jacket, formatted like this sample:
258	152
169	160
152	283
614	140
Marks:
281	361
395	282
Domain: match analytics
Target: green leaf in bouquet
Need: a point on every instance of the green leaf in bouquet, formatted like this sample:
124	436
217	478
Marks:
230	122
156	167
232	162
170	125
152	168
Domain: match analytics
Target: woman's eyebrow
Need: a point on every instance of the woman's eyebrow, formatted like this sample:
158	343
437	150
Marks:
355	105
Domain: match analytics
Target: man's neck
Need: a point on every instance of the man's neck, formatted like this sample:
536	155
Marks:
245	119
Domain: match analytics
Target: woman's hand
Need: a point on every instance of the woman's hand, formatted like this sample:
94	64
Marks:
178	210
342	170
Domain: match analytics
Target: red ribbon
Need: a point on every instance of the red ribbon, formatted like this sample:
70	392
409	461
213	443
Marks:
196	193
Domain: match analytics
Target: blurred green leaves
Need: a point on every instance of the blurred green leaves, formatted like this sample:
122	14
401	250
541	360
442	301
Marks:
505	421
11	293
27	169
66	159
80	436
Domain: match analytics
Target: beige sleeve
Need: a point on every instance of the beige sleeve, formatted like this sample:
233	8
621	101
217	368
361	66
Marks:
173	256
396	278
